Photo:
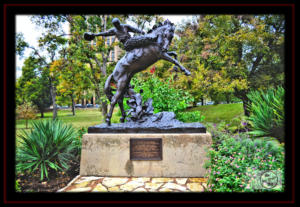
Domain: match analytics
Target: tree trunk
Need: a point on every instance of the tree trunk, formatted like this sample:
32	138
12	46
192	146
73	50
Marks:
227	98
103	103
26	123
42	113
53	96
243	96
194	103
104	108
245	106
73	105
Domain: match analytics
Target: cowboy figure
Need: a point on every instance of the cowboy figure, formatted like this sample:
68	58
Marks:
121	31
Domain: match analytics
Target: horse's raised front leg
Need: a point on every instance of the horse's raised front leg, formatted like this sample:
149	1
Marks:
172	53
167	57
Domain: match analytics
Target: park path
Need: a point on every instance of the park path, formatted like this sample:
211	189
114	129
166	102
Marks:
134	184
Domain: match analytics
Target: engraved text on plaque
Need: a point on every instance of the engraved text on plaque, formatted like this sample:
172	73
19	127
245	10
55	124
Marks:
146	149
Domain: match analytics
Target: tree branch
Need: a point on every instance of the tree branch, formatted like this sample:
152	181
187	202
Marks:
38	54
255	64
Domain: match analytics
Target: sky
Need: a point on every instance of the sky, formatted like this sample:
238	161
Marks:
32	33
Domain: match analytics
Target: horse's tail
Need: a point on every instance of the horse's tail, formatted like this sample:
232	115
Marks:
107	88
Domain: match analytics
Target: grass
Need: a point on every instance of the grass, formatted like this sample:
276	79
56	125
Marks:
89	117
82	118
220	113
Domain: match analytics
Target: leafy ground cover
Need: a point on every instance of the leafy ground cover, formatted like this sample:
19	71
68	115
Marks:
236	162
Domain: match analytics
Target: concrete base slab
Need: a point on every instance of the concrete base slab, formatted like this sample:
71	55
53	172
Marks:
109	155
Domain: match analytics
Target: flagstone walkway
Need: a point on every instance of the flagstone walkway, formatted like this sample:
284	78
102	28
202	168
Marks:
134	184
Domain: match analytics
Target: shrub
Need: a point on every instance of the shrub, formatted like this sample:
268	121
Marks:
194	116
267	113
78	140
232	161
165	98
235	126
218	132
50	144
26	111
17	186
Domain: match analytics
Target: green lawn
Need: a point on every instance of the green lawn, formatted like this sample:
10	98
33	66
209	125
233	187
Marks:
82	118
90	117
220	112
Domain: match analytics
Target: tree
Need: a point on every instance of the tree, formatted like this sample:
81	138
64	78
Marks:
240	52
33	85
145	21
26	111
96	53
49	50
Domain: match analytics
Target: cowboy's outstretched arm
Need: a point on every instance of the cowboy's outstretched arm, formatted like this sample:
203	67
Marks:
90	36
135	30
110	32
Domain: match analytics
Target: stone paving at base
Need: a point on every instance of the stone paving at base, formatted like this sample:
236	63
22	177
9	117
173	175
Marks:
134	184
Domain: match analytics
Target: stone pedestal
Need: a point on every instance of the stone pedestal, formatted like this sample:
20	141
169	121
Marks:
183	155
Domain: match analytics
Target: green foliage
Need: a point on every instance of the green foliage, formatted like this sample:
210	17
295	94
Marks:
33	85
235	158
88	61
78	140
21	45
231	54
194	116
17	186
49	145
234	126
145	21
267	112
51	48
165	98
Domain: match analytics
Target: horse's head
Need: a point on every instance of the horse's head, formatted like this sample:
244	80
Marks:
168	34
166	29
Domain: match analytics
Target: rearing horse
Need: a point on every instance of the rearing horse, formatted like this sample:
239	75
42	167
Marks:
137	60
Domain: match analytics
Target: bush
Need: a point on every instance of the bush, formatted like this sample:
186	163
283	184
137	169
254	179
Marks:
17	186
235	126
194	116
225	130
165	98
78	140
267	113
49	145
232	161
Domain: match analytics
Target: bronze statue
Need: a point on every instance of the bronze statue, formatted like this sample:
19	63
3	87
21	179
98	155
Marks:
141	52
121	31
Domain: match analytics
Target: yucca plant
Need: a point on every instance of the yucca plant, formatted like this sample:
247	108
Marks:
50	144
267	113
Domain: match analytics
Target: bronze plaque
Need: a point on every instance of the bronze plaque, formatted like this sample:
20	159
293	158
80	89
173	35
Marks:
145	149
